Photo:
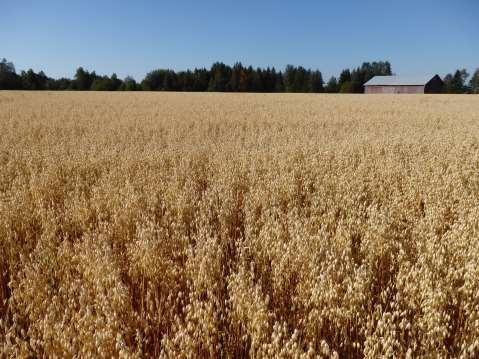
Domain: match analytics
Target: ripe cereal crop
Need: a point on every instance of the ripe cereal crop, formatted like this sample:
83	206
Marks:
238	225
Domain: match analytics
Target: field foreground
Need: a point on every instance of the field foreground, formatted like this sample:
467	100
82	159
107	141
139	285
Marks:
232	225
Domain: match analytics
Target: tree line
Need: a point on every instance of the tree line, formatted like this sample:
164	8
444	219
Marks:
222	78
457	82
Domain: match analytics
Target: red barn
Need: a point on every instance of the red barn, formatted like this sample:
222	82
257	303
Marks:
401	84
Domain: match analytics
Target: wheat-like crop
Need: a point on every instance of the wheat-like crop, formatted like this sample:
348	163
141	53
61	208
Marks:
238	225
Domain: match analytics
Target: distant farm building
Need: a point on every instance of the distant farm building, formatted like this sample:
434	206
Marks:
400	84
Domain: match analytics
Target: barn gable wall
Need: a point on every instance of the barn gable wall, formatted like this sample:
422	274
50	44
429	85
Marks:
434	86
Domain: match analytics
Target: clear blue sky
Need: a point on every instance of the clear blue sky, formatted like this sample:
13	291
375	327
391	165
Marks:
133	37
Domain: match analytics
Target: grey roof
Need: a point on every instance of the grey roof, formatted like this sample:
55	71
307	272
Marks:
399	80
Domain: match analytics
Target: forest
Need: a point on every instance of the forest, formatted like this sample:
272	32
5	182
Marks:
223	78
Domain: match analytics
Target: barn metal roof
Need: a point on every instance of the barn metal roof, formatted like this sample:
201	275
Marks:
399	80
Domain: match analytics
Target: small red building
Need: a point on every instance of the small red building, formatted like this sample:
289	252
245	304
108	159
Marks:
400	84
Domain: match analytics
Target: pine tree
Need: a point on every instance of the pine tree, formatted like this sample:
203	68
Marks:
332	85
316	81
344	77
474	83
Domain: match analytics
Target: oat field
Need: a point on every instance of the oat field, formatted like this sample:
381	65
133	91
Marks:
238	225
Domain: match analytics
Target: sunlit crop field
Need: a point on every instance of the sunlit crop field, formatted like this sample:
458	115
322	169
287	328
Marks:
238	225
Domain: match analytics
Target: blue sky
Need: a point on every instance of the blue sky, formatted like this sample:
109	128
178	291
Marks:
134	37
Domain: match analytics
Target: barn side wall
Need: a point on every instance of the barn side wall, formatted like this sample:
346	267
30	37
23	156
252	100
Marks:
393	89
